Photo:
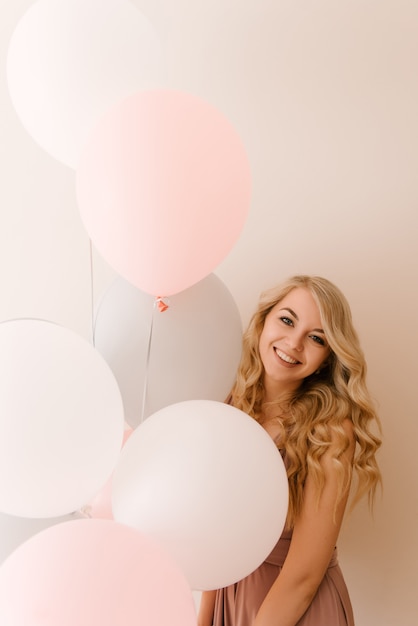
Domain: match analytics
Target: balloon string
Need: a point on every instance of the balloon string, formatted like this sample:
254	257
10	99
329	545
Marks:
144	393
91	290
162	306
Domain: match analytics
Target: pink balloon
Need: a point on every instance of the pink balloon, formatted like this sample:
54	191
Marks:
163	188
93	573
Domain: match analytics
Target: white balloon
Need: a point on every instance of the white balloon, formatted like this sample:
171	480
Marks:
16	530
61	420
206	481
195	345
70	60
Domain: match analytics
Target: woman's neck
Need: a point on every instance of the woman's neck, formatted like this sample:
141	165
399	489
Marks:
276	391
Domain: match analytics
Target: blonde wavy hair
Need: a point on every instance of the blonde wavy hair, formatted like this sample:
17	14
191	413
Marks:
313	416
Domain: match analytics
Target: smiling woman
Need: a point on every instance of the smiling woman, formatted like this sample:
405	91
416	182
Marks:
292	345
302	376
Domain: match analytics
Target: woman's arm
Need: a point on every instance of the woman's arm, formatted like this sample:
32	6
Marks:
313	541
206	608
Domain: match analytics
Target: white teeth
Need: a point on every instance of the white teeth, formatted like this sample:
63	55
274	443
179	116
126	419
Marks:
286	358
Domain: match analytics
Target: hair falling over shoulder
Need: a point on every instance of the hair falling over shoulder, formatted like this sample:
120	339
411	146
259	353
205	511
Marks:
313	417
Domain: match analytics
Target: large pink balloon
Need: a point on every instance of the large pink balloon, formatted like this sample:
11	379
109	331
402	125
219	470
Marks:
163	188
93	573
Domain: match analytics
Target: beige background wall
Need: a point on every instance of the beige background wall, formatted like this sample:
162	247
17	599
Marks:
325	96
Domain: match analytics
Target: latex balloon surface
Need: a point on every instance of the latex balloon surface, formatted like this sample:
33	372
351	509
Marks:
61	419
101	505
194	350
209	484
16	530
91	572
163	188
70	60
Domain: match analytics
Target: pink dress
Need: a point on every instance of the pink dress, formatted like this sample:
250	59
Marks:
237	605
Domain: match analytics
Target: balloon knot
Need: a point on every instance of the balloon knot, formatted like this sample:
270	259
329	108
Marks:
162	304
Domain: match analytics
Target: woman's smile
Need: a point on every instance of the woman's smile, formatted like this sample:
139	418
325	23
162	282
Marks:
288	360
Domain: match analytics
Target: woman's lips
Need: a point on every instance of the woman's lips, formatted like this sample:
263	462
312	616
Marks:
286	358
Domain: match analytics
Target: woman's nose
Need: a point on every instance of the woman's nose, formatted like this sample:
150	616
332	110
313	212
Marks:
295	341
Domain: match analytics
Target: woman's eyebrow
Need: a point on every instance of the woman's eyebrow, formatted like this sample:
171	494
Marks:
291	312
316	330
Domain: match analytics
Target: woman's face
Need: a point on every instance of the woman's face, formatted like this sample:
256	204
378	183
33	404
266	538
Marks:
292	343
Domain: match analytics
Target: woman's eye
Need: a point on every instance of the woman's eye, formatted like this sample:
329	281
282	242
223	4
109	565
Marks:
287	320
318	340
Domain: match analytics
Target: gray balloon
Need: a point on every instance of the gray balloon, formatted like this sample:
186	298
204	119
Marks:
190	351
